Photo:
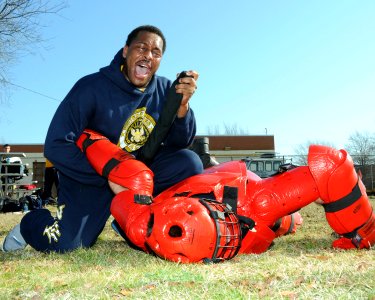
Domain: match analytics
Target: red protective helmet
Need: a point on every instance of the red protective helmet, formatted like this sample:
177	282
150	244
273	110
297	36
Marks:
193	230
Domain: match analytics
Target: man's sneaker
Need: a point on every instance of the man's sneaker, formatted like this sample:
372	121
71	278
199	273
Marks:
14	240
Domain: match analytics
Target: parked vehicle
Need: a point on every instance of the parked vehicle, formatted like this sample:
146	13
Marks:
264	166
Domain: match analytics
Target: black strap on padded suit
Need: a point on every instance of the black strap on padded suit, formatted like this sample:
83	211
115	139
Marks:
87	143
291	226
277	225
142	199
344	202
230	197
113	162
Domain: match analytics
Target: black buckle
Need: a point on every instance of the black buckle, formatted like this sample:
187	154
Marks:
142	199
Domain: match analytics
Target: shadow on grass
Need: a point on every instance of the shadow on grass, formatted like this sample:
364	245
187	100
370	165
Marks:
102	253
293	246
3	233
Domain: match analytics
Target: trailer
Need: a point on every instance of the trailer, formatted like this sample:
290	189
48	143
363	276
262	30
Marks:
17	191
367	173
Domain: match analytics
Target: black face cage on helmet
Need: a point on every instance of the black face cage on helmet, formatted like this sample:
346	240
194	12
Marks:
228	243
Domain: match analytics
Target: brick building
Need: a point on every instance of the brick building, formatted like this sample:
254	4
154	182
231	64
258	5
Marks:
235	147
224	148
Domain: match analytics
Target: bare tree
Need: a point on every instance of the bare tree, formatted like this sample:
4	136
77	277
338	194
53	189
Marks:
361	147
213	131
233	129
301	151
229	129
20	28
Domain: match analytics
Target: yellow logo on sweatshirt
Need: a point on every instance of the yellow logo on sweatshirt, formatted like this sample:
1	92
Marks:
136	130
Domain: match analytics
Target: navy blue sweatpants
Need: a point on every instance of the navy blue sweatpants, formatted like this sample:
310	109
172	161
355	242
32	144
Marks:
83	210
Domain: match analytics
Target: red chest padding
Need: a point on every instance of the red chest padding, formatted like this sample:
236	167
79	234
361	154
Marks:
212	181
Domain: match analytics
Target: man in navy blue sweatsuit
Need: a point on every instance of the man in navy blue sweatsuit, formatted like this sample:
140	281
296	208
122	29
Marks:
123	102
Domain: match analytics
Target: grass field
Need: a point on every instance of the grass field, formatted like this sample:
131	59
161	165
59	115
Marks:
299	266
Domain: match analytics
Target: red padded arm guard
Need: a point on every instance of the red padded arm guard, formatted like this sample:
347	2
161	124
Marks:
132	217
116	164
257	240
287	224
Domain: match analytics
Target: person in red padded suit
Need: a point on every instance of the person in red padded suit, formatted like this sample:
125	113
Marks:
228	209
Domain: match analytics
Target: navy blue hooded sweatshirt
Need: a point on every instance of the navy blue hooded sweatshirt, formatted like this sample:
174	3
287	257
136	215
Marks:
109	104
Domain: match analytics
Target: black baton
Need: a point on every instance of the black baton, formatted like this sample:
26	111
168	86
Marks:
164	123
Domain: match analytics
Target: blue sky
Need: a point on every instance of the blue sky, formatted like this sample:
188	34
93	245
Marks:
300	70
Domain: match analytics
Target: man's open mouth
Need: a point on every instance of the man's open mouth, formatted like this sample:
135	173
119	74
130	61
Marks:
142	69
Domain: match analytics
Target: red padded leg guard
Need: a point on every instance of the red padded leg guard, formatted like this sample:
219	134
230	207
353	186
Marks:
132	217
364	237
271	199
280	195
348	210
116	164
